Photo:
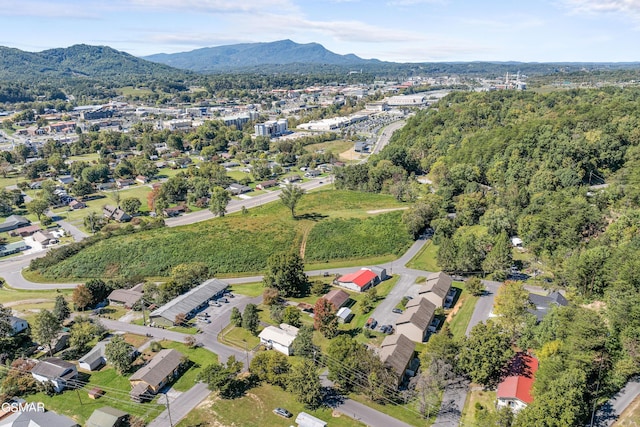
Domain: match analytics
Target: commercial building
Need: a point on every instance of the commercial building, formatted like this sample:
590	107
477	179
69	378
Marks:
189	303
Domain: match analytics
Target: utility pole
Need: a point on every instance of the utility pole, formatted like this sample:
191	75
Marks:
168	409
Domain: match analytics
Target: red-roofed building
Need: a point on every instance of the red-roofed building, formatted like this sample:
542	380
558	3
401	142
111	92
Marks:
359	281
515	390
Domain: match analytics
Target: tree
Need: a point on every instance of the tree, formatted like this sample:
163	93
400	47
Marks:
180	320
474	286
270	296
189	275
236	317
369	300
499	259
250	319
292	316
93	222
38	207
61	308
303	381
219	200
290	196
324	318
485	352
303	343
82	332
119	353
131	205
81	188
45	329
285	272
270	366
223	378
345	360
441	346
98	289
511	305
81	297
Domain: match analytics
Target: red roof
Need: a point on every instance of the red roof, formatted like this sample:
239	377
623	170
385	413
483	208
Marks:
360	278
519	385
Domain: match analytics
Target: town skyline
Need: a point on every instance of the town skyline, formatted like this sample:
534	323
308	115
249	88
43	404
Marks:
393	30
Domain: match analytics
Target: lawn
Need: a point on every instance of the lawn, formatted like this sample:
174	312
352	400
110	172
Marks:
336	147
77	404
426	259
255	410
486	400
250	289
8	294
460	320
333	226
239	337
199	357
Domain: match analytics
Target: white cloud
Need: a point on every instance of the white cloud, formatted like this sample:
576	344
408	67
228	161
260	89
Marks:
404	3
215	6
507	23
64	9
627	8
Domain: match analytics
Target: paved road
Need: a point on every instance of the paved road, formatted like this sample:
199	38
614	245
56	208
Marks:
609	412
181	406
484	304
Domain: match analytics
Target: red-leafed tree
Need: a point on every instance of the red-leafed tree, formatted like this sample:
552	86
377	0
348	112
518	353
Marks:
325	319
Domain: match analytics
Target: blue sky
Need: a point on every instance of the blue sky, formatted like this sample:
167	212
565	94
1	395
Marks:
392	30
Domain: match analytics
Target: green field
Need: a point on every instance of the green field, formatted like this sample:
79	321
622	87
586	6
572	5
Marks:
336	147
462	316
242	243
255	408
426	259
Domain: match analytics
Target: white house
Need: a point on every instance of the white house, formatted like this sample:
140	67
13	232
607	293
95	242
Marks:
514	391
279	339
95	358
55	371
306	420
17	324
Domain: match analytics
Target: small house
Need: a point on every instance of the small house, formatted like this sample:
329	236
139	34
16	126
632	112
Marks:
437	288
397	352
237	189
76	204
55	371
514	391
279	339
174	211
344	315
125	297
306	420
414	322
337	297
25	231
162	369
94	359
108	417
266	184
18	325
12	222
112	212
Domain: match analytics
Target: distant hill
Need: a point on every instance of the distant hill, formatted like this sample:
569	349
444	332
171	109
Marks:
247	56
96	62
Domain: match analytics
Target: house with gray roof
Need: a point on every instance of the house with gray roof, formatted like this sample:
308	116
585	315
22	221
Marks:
56	371
415	320
108	417
18	324
437	288
396	352
189	303
39	419
95	358
542	304
148	380
125	297
12	222
13	248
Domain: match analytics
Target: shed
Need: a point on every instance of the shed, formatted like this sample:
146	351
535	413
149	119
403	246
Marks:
344	315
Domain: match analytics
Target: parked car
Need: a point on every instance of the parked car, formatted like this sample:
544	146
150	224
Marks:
386	329
223	300
214	303
371	323
397	311
282	412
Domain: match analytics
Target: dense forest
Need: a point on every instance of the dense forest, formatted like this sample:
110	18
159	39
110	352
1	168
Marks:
561	171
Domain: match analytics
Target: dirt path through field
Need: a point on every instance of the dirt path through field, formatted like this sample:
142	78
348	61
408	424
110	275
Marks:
377	211
27	301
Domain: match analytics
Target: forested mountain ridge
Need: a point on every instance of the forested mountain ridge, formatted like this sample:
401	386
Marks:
81	61
247	55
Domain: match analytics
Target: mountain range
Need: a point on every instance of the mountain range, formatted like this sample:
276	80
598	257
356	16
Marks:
80	61
249	55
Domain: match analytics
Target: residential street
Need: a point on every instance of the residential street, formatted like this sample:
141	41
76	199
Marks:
611	411
181	406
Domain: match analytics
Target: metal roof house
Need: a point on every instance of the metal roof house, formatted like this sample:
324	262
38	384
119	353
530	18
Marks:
189	303
55	371
279	339
108	417
306	420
